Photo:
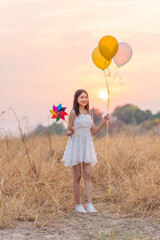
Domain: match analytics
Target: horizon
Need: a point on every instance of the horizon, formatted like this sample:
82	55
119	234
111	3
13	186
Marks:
26	127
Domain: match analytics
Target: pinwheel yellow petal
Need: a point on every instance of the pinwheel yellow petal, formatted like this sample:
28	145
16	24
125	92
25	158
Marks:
53	113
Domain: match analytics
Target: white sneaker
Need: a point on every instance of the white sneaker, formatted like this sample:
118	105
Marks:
90	208
80	208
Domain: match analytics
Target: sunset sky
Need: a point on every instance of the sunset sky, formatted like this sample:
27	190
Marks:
46	48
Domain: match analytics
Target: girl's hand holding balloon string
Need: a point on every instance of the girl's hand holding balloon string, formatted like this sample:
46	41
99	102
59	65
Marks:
106	118
96	129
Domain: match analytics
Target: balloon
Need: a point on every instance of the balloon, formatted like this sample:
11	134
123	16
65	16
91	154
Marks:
108	46
123	55
99	60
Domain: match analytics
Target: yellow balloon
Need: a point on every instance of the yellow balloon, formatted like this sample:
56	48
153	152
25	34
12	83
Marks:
99	60
108	46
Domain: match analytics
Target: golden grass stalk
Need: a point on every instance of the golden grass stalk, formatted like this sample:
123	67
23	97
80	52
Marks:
134	172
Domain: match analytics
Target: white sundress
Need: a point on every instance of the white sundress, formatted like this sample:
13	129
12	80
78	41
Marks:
80	148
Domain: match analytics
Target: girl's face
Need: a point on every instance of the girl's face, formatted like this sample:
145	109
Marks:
82	99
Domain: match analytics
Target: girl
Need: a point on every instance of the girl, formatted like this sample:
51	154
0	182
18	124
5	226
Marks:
80	148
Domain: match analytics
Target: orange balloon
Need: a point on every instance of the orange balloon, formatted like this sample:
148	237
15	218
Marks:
108	46
99	60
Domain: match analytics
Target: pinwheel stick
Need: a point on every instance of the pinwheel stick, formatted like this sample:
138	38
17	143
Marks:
70	126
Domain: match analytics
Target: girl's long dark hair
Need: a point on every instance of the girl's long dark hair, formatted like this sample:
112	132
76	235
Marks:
75	102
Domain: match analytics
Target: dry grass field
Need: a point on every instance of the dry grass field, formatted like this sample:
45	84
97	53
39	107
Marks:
36	187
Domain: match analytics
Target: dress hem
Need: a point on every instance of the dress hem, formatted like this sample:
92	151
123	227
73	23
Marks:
93	163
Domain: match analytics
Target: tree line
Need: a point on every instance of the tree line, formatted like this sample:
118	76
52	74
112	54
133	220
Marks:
131	114
126	115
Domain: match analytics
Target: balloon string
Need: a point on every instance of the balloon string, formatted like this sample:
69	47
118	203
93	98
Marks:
119	78
108	75
114	78
107	153
70	126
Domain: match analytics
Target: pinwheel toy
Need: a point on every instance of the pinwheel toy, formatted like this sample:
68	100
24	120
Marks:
59	113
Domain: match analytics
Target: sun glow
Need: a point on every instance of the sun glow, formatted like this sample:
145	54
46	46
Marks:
103	95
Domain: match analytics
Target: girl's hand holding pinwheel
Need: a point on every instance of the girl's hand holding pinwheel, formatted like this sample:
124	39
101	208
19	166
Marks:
59	113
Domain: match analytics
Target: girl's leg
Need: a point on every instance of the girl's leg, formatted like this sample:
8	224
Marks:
76	182
87	180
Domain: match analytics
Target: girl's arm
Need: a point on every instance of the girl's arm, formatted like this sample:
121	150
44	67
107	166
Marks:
96	129
71	118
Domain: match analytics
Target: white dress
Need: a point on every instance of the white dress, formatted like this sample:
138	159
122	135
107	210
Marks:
80	148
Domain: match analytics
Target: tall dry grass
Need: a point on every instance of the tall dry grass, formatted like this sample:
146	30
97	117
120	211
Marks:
44	193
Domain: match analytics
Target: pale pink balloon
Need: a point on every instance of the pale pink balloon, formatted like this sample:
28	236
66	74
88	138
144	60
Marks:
123	54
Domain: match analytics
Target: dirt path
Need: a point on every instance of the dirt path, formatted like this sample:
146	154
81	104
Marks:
87	226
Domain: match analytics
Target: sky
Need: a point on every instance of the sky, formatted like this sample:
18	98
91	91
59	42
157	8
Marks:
46	49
